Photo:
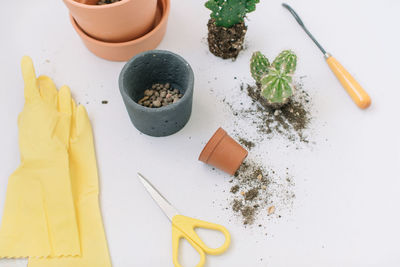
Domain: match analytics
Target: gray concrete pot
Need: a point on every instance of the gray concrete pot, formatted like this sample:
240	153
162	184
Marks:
146	69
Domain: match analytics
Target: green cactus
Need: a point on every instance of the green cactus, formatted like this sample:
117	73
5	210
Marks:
286	61
276	86
230	12
259	65
275	80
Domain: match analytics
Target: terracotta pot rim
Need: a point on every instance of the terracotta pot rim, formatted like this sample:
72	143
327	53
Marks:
87	6
165	9
212	144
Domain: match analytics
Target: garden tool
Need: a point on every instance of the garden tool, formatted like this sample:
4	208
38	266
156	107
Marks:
85	191
39	215
184	227
353	88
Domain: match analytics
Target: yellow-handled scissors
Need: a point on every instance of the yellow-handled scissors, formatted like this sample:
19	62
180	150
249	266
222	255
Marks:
184	227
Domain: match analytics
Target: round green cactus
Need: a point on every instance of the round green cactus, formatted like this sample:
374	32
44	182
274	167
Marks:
286	61
276	86
259	65
230	12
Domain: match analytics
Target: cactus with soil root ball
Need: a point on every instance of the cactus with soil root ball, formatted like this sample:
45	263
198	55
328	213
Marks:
259	65
230	12
286	61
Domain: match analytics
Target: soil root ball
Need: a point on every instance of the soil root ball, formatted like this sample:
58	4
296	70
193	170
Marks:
226	42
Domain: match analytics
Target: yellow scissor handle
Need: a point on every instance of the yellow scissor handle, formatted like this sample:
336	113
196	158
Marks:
176	237
353	88
184	227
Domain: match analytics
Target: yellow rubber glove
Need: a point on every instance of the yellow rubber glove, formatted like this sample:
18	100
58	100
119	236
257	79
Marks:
85	188
39	214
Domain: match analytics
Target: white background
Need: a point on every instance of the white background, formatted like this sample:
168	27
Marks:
346	210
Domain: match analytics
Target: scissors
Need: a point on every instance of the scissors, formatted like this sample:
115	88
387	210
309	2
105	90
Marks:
184	227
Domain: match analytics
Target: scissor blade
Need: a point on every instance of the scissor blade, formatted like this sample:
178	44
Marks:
164	204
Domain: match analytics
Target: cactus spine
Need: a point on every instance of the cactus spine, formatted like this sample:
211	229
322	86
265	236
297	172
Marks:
230	12
259	65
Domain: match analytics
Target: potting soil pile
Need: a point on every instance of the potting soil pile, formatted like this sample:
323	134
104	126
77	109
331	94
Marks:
290	121
258	191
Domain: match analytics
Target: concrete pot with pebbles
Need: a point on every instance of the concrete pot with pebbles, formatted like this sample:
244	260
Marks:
226	27
223	152
157	89
113	21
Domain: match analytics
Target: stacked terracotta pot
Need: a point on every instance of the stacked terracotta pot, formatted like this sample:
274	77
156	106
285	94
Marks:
120	30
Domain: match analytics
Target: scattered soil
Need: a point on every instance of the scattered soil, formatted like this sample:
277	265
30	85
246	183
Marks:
255	188
248	213
226	42
160	95
293	117
248	144
251	194
292	114
235	189
237	205
105	2
291	120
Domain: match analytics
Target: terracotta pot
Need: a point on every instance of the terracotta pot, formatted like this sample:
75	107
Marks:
223	152
126	50
118	22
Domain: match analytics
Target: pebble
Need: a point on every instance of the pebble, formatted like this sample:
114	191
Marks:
105	2
157	103
160	95
271	210
148	92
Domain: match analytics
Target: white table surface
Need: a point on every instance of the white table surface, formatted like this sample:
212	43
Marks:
347	185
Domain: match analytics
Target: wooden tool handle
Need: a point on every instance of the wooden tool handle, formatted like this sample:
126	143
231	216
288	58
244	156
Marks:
353	88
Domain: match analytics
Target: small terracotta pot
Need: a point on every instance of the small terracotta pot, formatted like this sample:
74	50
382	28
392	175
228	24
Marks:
223	152
126	50
118	22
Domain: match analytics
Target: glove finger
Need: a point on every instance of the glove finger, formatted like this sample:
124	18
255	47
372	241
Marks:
82	120
31	88
73	121
48	90
64	100
65	108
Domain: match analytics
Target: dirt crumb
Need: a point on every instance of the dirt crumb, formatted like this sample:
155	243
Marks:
251	194
248	144
248	214
234	189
